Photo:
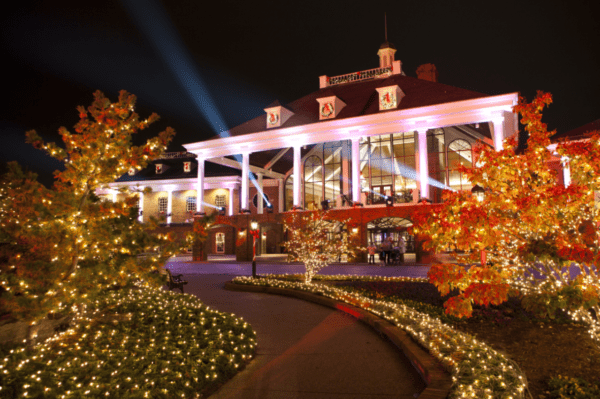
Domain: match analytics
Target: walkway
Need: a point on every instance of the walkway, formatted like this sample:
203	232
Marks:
232	268
304	350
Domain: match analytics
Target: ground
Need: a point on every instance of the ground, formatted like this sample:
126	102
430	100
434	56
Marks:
542	348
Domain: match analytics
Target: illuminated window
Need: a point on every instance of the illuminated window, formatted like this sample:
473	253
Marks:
387	165
459	153
163	204
220	243
220	200
313	183
289	193
190	204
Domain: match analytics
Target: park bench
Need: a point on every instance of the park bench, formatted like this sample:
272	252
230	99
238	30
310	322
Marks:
175	280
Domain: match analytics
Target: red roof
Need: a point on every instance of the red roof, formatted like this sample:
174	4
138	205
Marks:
578	133
361	98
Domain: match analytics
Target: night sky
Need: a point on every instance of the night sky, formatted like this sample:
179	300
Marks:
245	55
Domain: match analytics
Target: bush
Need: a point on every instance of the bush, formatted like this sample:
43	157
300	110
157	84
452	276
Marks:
566	387
142	342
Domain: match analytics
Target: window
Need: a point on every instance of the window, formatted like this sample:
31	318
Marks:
387	164
313	183
220	243
190	204
332	160
163	204
459	153
265	200
220	200
289	193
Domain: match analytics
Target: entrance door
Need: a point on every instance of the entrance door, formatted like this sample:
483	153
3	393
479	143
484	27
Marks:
220	243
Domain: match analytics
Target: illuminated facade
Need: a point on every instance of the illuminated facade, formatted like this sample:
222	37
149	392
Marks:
371	144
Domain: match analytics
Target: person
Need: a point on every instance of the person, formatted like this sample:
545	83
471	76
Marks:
386	248
372	249
402	247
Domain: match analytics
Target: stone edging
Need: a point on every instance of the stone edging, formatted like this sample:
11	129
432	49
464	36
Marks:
438	381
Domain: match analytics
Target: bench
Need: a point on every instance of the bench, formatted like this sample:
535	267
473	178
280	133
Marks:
175	281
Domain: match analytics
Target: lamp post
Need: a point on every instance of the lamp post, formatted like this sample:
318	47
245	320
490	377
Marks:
254	232
478	192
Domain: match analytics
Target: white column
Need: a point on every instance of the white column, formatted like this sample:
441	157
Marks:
356	169
141	207
345	168
230	201
245	170
114	195
169	205
281	195
297	156
259	198
423	163
498	124
200	186
566	171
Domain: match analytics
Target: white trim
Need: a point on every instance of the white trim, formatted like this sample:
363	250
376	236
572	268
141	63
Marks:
441	115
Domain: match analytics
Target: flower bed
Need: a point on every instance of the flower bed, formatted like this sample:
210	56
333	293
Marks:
477	370
136	343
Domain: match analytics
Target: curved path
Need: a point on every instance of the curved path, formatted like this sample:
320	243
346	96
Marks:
306	350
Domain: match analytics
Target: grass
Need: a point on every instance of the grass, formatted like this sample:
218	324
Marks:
558	357
136	343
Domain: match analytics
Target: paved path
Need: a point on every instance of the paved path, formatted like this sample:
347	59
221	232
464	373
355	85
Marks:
245	269
304	350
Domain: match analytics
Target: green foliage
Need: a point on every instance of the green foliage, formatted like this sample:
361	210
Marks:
133	343
572	388
62	246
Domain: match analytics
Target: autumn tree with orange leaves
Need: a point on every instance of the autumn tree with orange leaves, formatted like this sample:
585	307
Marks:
62	246
539	238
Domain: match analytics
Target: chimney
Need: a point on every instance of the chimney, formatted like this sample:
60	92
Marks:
427	72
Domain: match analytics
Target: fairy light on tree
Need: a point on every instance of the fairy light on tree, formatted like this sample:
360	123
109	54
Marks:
317	239
64	245
540	237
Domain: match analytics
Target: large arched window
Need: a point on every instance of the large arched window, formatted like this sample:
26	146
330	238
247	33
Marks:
459	153
313	183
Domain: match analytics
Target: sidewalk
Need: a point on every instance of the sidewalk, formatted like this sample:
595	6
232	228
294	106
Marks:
232	268
306	350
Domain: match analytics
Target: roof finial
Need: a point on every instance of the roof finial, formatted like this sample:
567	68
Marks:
385	23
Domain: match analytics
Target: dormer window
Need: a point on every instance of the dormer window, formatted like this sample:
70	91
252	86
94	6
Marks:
159	168
330	107
131	171
187	166
277	115
389	97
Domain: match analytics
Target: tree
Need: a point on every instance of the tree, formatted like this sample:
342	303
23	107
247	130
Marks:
316	239
530	233
62	246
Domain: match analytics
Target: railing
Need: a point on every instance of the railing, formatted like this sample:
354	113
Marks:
358	76
175	155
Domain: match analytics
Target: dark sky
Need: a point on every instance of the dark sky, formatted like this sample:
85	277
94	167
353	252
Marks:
247	54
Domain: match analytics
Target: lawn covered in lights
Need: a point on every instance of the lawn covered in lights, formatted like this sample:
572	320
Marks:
134	343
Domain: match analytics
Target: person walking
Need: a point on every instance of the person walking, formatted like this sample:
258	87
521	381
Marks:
402	248
372	249
386	248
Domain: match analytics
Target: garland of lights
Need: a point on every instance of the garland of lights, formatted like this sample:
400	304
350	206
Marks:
143	342
477	370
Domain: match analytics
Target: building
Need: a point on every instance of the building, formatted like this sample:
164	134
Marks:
369	145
